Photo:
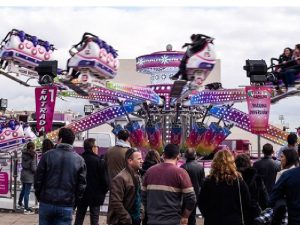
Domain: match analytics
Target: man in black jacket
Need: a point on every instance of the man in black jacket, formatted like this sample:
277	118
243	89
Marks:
267	167
197	175
97	184
59	181
288	188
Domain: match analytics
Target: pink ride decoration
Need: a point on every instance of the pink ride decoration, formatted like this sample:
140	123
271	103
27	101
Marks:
155	137
11	137
93	58
19	48
138	136
45	98
200	64
259	100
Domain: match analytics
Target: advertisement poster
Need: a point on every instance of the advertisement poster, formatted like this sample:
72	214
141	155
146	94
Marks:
45	103
258	100
3	183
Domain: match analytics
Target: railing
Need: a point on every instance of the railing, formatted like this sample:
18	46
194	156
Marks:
8	176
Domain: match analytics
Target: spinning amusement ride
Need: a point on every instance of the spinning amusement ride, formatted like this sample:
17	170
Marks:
174	112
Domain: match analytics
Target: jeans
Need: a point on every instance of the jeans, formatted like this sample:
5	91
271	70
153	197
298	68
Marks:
81	211
55	215
26	187
290	75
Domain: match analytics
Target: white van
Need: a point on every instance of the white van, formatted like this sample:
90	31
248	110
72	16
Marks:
104	140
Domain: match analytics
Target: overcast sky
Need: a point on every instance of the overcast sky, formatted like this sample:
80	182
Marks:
240	33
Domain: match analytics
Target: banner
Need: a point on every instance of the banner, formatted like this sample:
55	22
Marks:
258	100
3	183
45	102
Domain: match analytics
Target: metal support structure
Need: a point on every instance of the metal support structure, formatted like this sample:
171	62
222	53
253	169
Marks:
259	146
88	110
15	171
185	128
14	79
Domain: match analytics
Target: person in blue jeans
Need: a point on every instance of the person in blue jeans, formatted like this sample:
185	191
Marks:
54	214
59	181
27	175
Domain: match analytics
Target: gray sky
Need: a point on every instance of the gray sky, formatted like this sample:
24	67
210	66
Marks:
240	33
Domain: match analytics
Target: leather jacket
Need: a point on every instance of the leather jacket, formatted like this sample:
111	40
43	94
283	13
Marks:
60	178
121	200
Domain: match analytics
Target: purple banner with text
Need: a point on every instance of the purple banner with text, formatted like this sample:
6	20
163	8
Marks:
45	103
259	100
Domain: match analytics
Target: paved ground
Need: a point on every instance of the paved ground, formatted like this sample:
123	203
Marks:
9	218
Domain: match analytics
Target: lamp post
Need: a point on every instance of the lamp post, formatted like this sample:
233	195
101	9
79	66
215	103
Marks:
88	110
281	118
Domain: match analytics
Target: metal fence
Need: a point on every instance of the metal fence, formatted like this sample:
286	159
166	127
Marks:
8	179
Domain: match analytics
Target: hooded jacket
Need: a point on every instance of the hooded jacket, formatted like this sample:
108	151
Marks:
115	159
28	166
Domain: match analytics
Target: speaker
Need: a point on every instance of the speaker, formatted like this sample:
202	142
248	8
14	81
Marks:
47	68
256	70
256	67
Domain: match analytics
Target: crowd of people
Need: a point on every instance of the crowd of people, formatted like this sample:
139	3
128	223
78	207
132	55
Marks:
157	191
289	66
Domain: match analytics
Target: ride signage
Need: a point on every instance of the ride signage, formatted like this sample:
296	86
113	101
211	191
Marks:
3	183
45	102
258	100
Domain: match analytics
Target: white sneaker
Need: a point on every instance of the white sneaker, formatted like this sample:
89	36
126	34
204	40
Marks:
292	89
20	206
28	211
35	206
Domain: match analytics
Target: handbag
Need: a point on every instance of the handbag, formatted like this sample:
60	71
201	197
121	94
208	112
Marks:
240	197
266	218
